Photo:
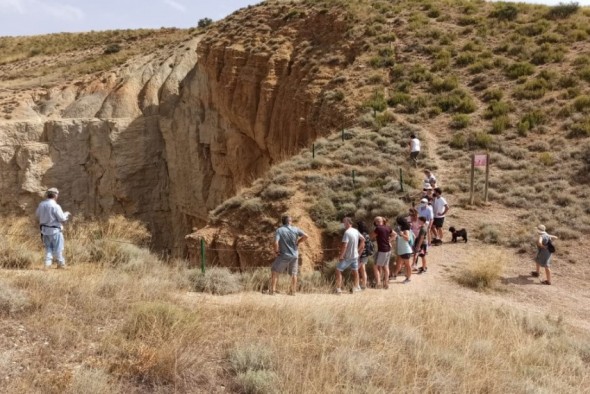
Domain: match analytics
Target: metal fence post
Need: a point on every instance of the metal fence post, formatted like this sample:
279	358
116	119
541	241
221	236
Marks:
202	255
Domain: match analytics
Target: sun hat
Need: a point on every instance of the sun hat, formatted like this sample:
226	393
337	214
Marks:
541	229
53	190
424	200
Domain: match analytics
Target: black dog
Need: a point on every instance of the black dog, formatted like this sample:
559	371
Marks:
458	233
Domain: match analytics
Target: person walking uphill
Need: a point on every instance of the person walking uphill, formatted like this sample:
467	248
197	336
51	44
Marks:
353	244
286	245
414	148
544	251
51	217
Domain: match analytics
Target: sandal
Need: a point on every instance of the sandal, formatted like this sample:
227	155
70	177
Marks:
545	282
534	274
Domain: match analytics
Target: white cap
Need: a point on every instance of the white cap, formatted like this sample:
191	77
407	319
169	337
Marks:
53	190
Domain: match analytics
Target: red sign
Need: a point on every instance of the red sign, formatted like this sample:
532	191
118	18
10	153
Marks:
480	160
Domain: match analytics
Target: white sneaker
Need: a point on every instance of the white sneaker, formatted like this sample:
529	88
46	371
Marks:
357	290
338	291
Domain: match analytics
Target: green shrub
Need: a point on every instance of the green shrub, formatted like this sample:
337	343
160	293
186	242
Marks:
322	211
563	10
382	61
458	101
480	140
497	108
204	22
584	73
465	59
547	159
458	141
530	121
112	48
520	69
444	84
216	280
500	124
533	29
433	13
277	192
580	129
505	11
398	98
531	90
493	94
582	103
547	53
419	74
460	121
377	102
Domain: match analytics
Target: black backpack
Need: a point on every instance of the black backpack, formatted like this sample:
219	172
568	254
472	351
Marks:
369	247
550	246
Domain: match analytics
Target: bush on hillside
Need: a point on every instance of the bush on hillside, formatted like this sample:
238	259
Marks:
216	280
520	69
483	272
204	22
505	11
563	10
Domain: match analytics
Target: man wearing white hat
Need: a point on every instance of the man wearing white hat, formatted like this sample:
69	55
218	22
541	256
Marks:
51	217
543	258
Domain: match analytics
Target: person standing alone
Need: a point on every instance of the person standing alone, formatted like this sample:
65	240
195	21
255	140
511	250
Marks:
286	245
414	148
51	217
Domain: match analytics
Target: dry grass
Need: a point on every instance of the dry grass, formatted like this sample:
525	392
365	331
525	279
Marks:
483	272
108	328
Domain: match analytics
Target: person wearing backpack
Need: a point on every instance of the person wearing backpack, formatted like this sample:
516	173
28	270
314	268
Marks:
405	248
545	249
364	257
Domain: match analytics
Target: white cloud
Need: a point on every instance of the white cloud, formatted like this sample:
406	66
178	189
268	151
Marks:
62	11
13	5
176	5
50	8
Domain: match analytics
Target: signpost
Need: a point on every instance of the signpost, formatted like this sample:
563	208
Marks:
479	160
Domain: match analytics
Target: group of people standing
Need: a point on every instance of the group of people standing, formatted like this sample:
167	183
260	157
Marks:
409	243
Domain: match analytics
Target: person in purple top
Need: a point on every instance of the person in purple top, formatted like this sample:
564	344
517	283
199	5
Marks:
383	234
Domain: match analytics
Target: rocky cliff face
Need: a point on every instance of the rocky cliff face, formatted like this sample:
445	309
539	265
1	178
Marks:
171	135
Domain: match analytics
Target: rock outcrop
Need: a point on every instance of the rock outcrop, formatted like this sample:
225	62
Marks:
169	136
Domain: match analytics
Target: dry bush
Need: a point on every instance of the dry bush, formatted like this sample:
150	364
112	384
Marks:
216	281
93	381
12	301
484	271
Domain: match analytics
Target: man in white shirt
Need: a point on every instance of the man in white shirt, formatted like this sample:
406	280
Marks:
51	217
440	208
414	148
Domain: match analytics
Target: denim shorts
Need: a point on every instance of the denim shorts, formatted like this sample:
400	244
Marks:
346	263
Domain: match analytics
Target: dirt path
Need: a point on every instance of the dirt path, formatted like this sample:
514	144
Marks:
568	297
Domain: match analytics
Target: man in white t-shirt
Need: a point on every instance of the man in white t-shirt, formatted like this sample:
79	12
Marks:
414	148
353	243
440	208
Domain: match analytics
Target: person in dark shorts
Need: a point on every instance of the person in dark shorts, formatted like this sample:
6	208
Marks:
384	235
440	208
421	246
414	149
404	247
286	246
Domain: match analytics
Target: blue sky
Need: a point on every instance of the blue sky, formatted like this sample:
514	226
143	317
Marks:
26	17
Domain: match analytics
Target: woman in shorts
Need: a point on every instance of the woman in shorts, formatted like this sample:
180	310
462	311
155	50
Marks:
404	248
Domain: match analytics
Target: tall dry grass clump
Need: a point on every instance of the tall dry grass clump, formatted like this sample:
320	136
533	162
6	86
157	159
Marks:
484	271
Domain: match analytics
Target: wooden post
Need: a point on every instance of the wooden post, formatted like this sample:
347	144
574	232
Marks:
401	180
313	151
487	177
472	188
202	255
